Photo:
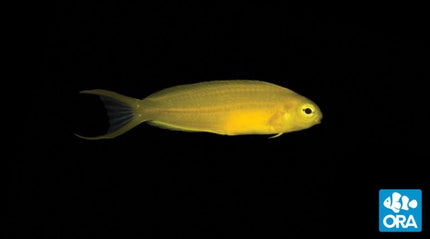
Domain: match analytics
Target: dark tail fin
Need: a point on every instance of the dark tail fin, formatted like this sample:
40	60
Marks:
122	111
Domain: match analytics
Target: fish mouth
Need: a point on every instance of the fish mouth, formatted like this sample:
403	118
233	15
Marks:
319	119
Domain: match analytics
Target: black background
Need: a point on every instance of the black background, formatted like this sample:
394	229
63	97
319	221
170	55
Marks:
363	64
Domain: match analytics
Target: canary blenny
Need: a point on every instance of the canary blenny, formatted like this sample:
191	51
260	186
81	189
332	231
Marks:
226	107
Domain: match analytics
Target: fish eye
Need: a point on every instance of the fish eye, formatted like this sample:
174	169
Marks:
307	110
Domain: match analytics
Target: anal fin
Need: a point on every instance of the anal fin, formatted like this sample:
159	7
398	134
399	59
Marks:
165	125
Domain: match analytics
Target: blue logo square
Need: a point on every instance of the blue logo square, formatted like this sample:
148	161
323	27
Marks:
400	210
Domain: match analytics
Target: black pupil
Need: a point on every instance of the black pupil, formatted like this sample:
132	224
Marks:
307	111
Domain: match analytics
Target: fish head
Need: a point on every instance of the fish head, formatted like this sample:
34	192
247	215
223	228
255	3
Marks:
310	114
302	114
387	202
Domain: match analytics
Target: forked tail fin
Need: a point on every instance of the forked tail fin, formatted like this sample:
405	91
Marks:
121	110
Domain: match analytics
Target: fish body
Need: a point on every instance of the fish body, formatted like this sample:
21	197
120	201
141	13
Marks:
230	107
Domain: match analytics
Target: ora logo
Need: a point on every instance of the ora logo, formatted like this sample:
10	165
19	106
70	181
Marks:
400	210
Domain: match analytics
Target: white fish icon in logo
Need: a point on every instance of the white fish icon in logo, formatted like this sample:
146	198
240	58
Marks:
394	203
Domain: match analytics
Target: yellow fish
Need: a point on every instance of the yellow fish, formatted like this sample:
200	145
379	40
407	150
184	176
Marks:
227	107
